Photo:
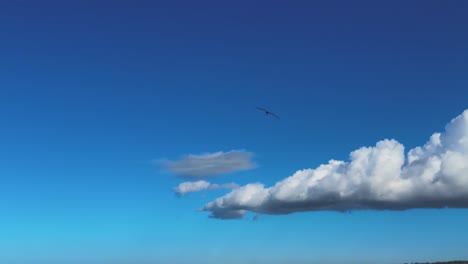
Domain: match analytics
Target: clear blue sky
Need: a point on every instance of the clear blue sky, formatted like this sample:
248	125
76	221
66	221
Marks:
91	93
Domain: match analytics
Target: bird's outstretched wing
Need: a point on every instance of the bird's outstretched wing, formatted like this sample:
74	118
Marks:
262	109
274	115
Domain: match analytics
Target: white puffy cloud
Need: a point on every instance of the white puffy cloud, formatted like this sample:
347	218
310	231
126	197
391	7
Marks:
197	186
187	187
210	164
380	177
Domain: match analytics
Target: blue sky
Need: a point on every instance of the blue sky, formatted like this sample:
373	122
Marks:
91	94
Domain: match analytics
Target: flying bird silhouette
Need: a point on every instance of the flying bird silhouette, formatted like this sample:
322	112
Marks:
267	112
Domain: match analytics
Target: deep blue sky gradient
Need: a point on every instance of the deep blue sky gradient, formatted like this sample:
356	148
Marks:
91	93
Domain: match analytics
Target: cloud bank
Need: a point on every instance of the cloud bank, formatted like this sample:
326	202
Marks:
197	186
211	164
381	177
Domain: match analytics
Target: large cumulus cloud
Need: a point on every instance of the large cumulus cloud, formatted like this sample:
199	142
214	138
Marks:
381	177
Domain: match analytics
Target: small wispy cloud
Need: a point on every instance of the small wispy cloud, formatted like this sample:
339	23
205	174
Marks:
210	164
197	186
381	177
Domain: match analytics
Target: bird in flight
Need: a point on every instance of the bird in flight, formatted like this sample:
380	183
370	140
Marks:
267	112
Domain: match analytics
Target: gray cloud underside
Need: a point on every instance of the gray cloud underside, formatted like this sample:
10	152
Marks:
198	186
212	164
381	177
